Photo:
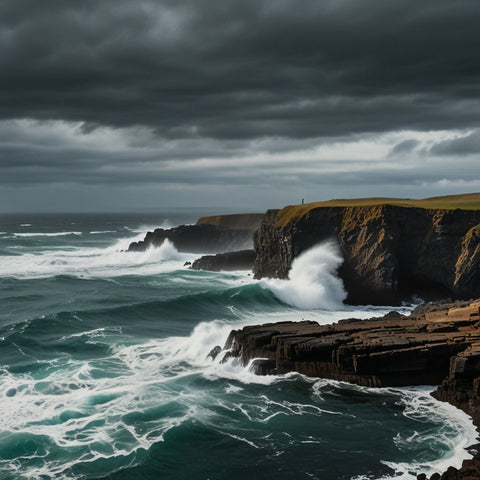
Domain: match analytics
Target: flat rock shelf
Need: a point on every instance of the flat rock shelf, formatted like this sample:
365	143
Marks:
436	345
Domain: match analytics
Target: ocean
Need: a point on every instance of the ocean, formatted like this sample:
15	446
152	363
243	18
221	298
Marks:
104	371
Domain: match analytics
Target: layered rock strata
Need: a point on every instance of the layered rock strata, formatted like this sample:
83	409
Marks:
394	350
432	346
223	233
390	252
242	260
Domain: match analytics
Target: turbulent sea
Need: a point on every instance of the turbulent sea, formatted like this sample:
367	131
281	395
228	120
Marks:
104	371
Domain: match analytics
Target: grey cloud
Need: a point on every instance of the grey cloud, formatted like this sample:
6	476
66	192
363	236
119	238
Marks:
406	146
245	69
468	145
144	90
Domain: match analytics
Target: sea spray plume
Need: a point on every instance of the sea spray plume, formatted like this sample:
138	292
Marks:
312	281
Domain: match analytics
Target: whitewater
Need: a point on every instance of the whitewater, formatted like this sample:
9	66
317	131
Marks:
105	370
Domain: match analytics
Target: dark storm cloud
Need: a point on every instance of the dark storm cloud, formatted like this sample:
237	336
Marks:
242	70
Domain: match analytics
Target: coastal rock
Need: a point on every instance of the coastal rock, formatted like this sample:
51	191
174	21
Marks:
223	233
262	366
391	252
242	260
393	350
380	352
436	344
214	352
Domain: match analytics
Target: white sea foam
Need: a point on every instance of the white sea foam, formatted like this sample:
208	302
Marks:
312	281
95	262
121	405
454	431
421	406
50	234
102	231
70	400
25	224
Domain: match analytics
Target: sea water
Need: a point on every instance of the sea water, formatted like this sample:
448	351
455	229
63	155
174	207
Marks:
104	371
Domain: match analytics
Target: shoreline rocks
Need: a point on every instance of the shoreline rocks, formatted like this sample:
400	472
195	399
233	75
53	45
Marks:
394	350
435	345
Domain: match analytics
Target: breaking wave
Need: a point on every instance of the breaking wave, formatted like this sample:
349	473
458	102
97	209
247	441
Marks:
88	262
72	416
312	281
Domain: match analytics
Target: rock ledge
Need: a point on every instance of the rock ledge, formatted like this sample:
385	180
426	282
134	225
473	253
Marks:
437	345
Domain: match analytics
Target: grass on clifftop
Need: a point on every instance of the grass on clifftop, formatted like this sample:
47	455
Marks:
234	221
469	201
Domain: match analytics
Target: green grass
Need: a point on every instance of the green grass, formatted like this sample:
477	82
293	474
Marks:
469	201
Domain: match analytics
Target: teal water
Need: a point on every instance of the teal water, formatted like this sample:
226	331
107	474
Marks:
104	371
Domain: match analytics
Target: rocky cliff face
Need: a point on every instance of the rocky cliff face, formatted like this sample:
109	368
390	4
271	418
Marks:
223	233
390	252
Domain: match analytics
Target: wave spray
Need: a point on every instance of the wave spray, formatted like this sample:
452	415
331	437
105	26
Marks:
312	281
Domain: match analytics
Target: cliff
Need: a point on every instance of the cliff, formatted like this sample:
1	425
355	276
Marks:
242	260
222	233
391	251
431	346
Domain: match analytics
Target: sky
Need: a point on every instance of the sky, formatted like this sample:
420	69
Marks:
237	105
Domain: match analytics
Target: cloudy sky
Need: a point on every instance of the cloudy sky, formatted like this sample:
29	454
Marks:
240	105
